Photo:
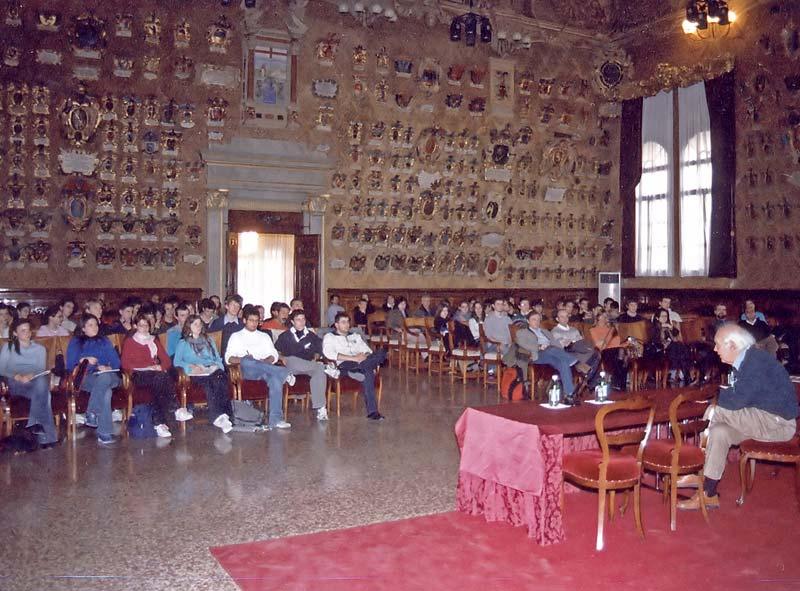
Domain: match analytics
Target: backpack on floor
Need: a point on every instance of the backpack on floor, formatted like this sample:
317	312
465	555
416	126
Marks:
511	384
140	423
246	415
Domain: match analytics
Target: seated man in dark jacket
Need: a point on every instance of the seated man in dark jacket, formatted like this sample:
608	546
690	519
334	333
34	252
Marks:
300	348
760	330
759	404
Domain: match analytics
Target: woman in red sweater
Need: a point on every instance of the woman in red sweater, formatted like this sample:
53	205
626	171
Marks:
144	357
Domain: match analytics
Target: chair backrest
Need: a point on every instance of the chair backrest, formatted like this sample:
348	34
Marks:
376	325
418	325
639	330
627	437
695	329
116	341
52	345
548	324
216	336
163	338
694	426
513	328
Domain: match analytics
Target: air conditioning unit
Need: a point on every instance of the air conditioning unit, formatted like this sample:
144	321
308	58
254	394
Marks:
609	285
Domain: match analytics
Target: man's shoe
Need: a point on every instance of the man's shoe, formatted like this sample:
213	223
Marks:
106	440
322	414
223	422
356	375
163	431
693	504
290	379
281	425
332	371
183	415
90	420
376	416
117	416
688	481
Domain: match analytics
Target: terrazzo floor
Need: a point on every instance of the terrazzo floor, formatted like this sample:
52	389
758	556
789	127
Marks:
143	514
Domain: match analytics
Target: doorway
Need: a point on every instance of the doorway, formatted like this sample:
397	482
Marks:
265	271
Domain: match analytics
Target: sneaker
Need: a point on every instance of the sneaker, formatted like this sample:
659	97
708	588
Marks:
90	420
224	423
376	416
106	439
281	425
290	379
117	416
163	431
322	414
183	415
332	371
356	375
80	419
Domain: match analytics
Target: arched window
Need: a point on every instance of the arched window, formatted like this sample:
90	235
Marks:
695	204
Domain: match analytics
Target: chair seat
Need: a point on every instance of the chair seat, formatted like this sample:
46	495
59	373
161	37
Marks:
20	406
466	353
376	338
254	390
436	348
492	356
775	448
394	342
658	454
119	400
420	346
586	465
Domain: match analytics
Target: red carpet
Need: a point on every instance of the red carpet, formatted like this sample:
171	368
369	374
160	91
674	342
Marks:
753	547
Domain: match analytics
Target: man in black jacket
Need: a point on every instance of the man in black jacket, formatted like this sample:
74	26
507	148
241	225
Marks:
300	348
760	403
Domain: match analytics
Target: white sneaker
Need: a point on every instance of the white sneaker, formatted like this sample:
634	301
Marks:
290	379
332	371
163	431
80	419
322	414
117	416
282	425
183	415
224	423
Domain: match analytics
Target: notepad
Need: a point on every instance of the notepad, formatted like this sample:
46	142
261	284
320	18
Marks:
102	371
41	373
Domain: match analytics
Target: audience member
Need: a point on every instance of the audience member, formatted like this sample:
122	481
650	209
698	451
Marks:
760	330
67	306
613	311
612	350
23	363
207	310
353	356
631	313
360	314
476	319
295	304
521	315
197	355
52	326
674	317
395	319
233	305
750	305
175	333
170	303
583	313
101	375
389	304
495	327
425	309
462	336
145	357
333	309
666	338
123	324
760	403
300	350
256	355
94	307
570	339
370	307
441	328
23	310
217	304
279	320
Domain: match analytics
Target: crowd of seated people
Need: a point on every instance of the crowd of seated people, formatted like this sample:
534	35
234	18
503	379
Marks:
158	337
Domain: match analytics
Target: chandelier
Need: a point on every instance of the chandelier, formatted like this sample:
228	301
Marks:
469	25
705	17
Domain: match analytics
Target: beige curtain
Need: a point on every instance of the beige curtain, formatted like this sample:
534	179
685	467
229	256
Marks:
265	268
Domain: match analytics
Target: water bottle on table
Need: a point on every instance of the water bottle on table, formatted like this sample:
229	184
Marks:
601	390
554	392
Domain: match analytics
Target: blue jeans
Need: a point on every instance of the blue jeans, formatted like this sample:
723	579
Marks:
562	362
41	413
100	388
367	367
274	376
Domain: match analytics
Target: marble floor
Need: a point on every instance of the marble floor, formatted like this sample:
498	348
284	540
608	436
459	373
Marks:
142	515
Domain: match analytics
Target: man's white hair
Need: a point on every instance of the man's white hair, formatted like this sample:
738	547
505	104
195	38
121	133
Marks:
737	336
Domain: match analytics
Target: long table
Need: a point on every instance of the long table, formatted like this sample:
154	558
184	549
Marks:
527	425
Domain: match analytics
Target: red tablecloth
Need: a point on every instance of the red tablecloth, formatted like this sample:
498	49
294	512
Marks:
485	484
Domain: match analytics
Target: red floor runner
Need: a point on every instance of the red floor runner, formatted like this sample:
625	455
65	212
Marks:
753	547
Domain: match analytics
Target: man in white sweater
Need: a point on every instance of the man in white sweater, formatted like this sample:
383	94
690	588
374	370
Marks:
256	355
352	355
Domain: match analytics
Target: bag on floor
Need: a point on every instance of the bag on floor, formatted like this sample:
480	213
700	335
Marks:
140	423
511	384
246	415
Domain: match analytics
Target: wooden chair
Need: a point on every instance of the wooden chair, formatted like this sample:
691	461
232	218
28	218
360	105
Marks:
436	349
674	457
786	452
376	330
609	471
462	357
421	345
493	358
644	367
347	385
300	391
78	400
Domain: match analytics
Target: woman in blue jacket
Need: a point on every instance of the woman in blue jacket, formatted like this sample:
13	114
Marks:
101	377
197	355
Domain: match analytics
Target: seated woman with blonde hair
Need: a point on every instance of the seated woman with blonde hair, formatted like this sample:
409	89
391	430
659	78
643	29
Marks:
144	356
612	350
197	355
